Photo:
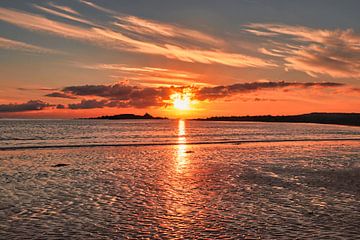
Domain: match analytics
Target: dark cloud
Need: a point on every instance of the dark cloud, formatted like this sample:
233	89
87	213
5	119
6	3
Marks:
211	93
36	89
93	103
122	96
60	95
32	105
88	104
127	96
116	91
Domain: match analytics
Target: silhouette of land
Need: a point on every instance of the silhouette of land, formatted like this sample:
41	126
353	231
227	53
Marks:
128	116
351	119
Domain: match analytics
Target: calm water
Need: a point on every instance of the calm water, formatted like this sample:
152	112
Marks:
270	190
34	133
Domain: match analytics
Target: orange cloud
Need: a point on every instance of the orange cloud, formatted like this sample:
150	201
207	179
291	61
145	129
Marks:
63	15
315	51
16	45
151	28
183	53
93	5
64	8
39	23
149	75
108	37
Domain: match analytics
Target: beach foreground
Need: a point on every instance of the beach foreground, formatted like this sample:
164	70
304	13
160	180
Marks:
253	190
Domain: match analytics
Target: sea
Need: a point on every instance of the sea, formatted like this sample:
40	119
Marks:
178	179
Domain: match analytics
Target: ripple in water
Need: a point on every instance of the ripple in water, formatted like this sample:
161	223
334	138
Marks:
303	190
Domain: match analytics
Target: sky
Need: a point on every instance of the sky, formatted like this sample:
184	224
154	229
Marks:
87	58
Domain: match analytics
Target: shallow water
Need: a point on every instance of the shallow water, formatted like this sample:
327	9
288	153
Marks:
37	133
279	190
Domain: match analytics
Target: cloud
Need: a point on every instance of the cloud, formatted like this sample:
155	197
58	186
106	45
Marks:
314	51
32	105
97	7
64	8
40	23
60	95
182	51
63	15
212	93
148	75
145	27
141	36
88	104
16	45
93	103
116	91
122	95
127	96
36	89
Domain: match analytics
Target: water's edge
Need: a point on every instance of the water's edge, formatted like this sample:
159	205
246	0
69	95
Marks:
174	143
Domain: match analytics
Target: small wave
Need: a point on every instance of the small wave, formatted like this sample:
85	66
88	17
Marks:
7	148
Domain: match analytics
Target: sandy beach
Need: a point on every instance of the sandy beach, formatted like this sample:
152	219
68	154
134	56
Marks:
306	190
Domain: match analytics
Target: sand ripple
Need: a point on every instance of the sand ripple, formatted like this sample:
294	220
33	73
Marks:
264	190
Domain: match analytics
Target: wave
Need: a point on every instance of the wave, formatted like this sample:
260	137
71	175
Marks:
7	148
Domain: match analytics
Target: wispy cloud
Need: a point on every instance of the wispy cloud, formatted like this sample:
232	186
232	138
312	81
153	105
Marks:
148	75
122	41
16	45
40	23
145	27
63	15
36	89
64	8
95	6
185	54
314	51
181	52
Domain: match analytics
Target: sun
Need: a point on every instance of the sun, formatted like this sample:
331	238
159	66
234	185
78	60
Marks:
181	101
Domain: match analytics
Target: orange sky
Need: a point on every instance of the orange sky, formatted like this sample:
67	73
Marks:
90	58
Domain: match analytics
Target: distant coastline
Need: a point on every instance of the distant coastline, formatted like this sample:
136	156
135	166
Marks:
349	119
128	116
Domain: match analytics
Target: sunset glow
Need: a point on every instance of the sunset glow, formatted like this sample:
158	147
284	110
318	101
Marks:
181	101
92	58
208	119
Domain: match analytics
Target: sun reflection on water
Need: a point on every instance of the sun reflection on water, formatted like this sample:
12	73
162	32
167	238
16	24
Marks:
181	159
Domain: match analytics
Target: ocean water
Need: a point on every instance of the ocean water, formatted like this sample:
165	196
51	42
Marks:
172	179
66	133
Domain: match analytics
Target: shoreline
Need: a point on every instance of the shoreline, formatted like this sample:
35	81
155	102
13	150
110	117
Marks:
345	119
238	142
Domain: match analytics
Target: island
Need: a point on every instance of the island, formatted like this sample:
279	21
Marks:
128	116
350	119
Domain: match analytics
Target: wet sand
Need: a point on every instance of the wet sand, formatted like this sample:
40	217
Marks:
288	190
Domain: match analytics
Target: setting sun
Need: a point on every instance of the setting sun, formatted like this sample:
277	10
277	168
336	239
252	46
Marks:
182	101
